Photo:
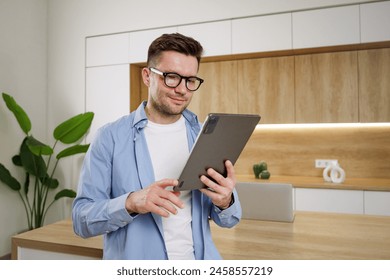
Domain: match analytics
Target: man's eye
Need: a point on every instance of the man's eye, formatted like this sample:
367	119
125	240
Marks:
191	81
173	77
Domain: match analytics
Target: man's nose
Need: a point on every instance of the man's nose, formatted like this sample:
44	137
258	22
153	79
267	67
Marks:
181	88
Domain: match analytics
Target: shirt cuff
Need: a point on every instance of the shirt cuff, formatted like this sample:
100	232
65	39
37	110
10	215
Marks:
118	212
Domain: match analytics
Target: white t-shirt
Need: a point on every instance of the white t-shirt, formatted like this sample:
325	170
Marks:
168	148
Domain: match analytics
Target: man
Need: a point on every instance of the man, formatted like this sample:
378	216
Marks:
125	189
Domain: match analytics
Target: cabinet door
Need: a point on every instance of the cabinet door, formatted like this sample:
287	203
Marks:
329	200
266	87
326	27
374	85
26	253
107	50
375	22
139	42
107	94
326	88
263	33
377	203
215	37
218	94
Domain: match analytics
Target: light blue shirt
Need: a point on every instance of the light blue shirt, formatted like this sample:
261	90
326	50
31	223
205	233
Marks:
117	163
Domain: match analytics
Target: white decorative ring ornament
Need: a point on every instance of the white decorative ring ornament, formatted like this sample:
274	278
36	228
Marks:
337	174
326	173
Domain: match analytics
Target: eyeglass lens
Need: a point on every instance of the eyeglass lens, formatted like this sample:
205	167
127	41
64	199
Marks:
173	80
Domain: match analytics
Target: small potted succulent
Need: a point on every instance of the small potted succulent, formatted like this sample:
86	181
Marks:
261	170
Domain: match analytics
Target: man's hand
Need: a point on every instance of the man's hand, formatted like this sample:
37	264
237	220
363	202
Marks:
155	199
222	189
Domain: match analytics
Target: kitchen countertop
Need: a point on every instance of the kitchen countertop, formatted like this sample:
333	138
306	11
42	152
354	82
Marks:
58	237
310	236
366	184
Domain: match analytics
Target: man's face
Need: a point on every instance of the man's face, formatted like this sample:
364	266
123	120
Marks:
166	104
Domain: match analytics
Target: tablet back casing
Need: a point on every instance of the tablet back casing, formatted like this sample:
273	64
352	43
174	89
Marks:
223	137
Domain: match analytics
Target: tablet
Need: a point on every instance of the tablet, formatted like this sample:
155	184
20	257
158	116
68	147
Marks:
222	137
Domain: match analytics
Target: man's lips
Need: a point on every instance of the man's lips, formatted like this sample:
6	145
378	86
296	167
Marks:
178	100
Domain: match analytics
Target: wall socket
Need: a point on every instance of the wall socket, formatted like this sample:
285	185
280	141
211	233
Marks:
322	163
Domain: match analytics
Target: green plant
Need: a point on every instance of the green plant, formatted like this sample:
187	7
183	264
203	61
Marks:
258	168
36	158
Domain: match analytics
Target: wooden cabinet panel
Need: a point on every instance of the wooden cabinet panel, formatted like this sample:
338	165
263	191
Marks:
137	86
331	86
218	94
374	85
326	88
266	87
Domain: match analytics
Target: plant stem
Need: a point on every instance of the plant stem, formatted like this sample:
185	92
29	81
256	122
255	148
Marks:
44	214
26	209
46	191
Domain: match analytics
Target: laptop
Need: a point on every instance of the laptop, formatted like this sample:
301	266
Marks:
222	137
266	201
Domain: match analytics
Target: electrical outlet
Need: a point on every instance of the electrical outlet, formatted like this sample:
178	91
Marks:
322	163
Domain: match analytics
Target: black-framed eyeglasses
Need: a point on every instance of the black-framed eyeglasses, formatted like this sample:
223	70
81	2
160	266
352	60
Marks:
172	79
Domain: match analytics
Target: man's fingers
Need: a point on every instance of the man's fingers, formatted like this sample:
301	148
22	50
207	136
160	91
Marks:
156	199
230	170
164	183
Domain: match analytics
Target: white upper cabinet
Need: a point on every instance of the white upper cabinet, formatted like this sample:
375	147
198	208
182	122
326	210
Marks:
107	50
215	37
263	33
140	40
326	27
107	94
375	22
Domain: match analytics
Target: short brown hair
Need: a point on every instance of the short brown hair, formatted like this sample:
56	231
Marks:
173	42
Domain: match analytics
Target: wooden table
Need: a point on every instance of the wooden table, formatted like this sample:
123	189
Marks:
58	238
319	236
310	236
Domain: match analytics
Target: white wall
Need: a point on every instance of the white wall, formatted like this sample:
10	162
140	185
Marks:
23	60
23	74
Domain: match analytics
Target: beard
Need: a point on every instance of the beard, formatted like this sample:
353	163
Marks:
167	110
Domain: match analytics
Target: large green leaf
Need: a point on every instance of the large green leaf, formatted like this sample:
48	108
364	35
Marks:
50	183
16	160
38	148
74	128
6	178
76	149
65	193
20	114
35	165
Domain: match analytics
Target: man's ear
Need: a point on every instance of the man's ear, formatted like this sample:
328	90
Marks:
146	76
